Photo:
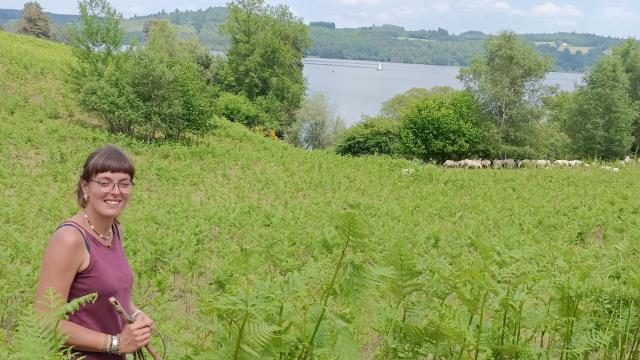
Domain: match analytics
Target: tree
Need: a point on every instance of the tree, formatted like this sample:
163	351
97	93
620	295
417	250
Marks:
507	81
629	54
96	40
316	125
441	127
264	61
599	120
34	22
162	38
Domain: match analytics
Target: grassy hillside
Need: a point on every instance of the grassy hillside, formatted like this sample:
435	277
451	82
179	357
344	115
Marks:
234	217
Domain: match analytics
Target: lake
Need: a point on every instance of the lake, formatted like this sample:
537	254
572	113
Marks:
356	87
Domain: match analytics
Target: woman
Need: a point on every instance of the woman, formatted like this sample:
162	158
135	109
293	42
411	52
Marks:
85	255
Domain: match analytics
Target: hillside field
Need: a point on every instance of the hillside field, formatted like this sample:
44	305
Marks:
459	263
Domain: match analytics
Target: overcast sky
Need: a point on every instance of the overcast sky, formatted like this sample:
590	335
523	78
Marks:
616	18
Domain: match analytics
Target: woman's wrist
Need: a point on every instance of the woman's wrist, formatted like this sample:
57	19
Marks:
112	344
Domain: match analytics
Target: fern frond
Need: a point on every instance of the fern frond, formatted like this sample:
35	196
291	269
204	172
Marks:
400	275
259	335
37	336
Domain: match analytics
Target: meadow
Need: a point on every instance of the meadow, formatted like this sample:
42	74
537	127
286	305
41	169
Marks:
233	239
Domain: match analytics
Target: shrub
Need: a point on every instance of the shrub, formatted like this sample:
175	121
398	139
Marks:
237	108
144	93
152	92
372	136
441	127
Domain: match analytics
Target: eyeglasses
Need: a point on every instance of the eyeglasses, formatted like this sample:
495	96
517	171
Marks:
107	186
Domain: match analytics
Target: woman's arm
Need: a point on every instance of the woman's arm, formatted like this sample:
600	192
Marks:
66	255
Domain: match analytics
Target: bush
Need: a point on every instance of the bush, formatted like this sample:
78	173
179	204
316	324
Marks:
145	93
238	108
441	127
152	92
372	136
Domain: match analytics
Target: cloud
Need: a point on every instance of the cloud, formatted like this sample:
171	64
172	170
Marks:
385	18
359	2
440	6
551	9
402	11
499	5
618	13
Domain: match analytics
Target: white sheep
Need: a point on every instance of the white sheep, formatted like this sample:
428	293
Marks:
523	163
450	164
506	163
467	163
542	163
509	163
408	171
486	163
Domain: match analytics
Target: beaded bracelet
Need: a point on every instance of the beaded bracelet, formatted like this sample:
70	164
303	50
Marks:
117	350
107	343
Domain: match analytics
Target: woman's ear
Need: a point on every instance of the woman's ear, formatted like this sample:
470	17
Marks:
84	185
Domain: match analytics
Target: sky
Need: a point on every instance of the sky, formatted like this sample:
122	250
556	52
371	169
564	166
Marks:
618	18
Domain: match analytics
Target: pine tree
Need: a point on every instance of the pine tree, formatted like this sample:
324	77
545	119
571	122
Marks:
34	22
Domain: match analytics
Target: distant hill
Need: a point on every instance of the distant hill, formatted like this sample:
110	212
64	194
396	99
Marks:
7	15
573	52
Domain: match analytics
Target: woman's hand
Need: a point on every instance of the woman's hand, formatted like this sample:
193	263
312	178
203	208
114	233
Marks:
136	335
142	316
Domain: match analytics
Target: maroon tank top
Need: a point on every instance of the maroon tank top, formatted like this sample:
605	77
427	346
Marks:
108	274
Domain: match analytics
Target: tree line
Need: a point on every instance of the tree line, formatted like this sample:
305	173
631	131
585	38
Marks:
379	43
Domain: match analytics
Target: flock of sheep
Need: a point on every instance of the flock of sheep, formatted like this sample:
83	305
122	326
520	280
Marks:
511	163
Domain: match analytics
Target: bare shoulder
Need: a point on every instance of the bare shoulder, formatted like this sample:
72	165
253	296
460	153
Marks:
67	238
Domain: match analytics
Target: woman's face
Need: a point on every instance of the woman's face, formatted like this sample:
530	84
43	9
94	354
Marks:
108	193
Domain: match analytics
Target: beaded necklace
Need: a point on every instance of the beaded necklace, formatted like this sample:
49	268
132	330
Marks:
106	239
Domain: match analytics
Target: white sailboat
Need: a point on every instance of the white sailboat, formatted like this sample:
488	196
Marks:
379	66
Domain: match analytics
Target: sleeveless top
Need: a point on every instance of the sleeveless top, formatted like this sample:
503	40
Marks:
108	274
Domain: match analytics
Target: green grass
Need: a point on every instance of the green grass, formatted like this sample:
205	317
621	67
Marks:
572	49
235	215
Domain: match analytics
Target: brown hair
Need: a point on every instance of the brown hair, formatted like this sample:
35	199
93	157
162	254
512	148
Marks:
108	158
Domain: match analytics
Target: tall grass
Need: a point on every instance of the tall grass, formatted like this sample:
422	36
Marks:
526	264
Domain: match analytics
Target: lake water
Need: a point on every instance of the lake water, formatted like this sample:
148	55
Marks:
356	87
